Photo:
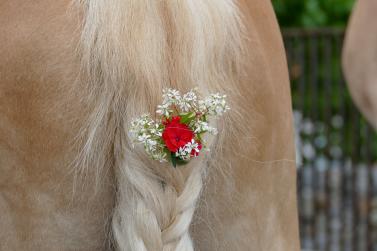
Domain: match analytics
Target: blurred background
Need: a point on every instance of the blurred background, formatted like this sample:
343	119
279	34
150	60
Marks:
337	149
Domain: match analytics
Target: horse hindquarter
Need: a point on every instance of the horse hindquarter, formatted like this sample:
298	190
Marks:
46	103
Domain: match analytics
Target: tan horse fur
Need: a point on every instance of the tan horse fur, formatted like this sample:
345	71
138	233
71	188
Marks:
360	58
45	205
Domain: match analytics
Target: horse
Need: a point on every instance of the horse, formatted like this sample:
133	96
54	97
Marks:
73	74
359	58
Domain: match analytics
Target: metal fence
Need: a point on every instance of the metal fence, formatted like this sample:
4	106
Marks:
337	178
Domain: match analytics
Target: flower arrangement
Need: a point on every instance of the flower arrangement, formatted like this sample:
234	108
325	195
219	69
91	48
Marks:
176	134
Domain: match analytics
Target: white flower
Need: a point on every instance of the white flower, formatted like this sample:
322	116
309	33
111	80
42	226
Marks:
200	126
215	104
151	144
184	152
192	146
143	121
171	96
143	138
156	130
188	101
164	110
148	133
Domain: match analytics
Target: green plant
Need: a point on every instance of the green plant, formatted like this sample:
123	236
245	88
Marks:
313	13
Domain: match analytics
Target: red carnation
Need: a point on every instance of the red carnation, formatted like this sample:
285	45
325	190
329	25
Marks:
176	134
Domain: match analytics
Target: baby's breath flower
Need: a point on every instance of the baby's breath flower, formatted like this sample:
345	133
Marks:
200	126
215	104
183	154
139	126
186	152
148	133
156	130
171	96
164	110
143	138
188	101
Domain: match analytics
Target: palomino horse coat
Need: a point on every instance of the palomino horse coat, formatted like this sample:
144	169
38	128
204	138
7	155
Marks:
72	75
360	58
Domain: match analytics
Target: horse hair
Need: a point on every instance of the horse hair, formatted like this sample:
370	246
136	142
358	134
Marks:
131	50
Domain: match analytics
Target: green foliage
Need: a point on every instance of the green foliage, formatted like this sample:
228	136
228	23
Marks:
313	13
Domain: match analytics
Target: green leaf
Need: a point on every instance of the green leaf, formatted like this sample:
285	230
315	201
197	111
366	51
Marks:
176	161
173	160
199	136
186	118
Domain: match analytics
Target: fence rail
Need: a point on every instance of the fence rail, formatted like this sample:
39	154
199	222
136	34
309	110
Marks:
337	178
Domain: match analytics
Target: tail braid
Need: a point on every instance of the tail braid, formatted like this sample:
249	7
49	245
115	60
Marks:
177	233
152	214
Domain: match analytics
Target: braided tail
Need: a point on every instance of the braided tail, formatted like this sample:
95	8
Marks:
131	50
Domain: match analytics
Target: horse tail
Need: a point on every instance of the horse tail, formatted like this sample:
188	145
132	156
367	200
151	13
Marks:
131	50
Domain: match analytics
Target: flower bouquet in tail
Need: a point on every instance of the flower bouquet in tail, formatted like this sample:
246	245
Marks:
182	120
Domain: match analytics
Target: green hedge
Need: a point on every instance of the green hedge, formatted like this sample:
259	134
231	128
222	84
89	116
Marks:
313	13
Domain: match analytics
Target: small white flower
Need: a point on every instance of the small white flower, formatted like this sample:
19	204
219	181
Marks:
164	110
202	126
151	143
171	96
193	146
215	104
184	152
156	130
143	138
188	101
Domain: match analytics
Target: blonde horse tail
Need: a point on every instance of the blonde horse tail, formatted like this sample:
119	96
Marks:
131	50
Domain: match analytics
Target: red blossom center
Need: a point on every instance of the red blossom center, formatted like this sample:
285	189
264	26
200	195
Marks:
176	134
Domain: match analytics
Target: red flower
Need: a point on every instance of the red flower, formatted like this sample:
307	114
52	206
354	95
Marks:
176	134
